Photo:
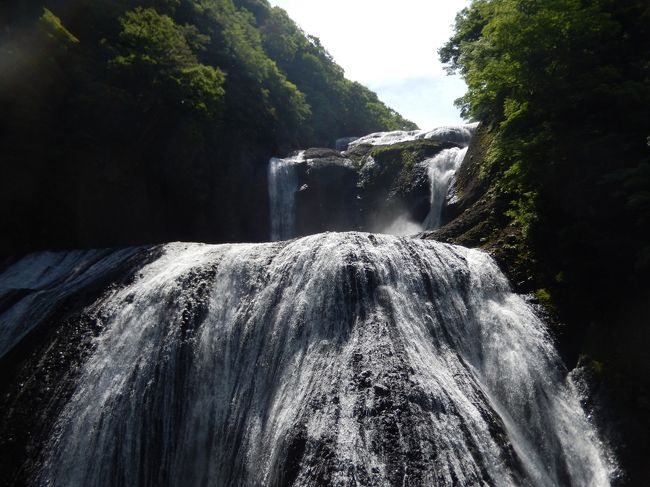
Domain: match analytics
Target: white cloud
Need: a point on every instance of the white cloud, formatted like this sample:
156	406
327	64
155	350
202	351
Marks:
390	47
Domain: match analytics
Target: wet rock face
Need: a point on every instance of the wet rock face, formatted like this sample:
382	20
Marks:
322	153
39	367
339	193
327	196
388	190
394	181
344	143
417	193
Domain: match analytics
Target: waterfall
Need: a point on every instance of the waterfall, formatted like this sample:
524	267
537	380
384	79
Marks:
441	171
334	359
283	184
458	134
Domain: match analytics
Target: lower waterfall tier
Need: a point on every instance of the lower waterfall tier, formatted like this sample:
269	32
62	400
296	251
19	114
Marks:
334	359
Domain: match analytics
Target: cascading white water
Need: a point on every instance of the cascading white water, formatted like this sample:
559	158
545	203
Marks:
441	171
283	184
334	359
458	134
283	179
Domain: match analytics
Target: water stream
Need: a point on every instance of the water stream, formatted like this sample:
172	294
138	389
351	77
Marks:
334	359
283	184
441	169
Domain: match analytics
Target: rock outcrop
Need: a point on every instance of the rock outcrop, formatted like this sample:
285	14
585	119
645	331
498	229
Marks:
327	196
369	187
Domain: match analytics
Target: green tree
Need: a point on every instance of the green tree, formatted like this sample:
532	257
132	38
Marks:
161	113
561	81
155	59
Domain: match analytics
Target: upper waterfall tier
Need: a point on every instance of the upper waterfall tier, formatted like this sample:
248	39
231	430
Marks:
459	134
387	182
334	359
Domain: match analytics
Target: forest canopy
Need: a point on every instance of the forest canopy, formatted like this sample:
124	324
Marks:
564	86
160	115
206	56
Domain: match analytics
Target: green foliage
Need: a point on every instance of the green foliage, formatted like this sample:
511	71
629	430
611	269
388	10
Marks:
594	365
157	117
202	87
55	29
242	66
155	59
338	106
154	39
561	84
544	296
523	211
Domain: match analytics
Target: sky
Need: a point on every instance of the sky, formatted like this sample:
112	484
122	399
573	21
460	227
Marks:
391	47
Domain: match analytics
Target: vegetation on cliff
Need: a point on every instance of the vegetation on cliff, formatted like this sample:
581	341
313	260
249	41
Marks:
156	117
562	88
564	83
